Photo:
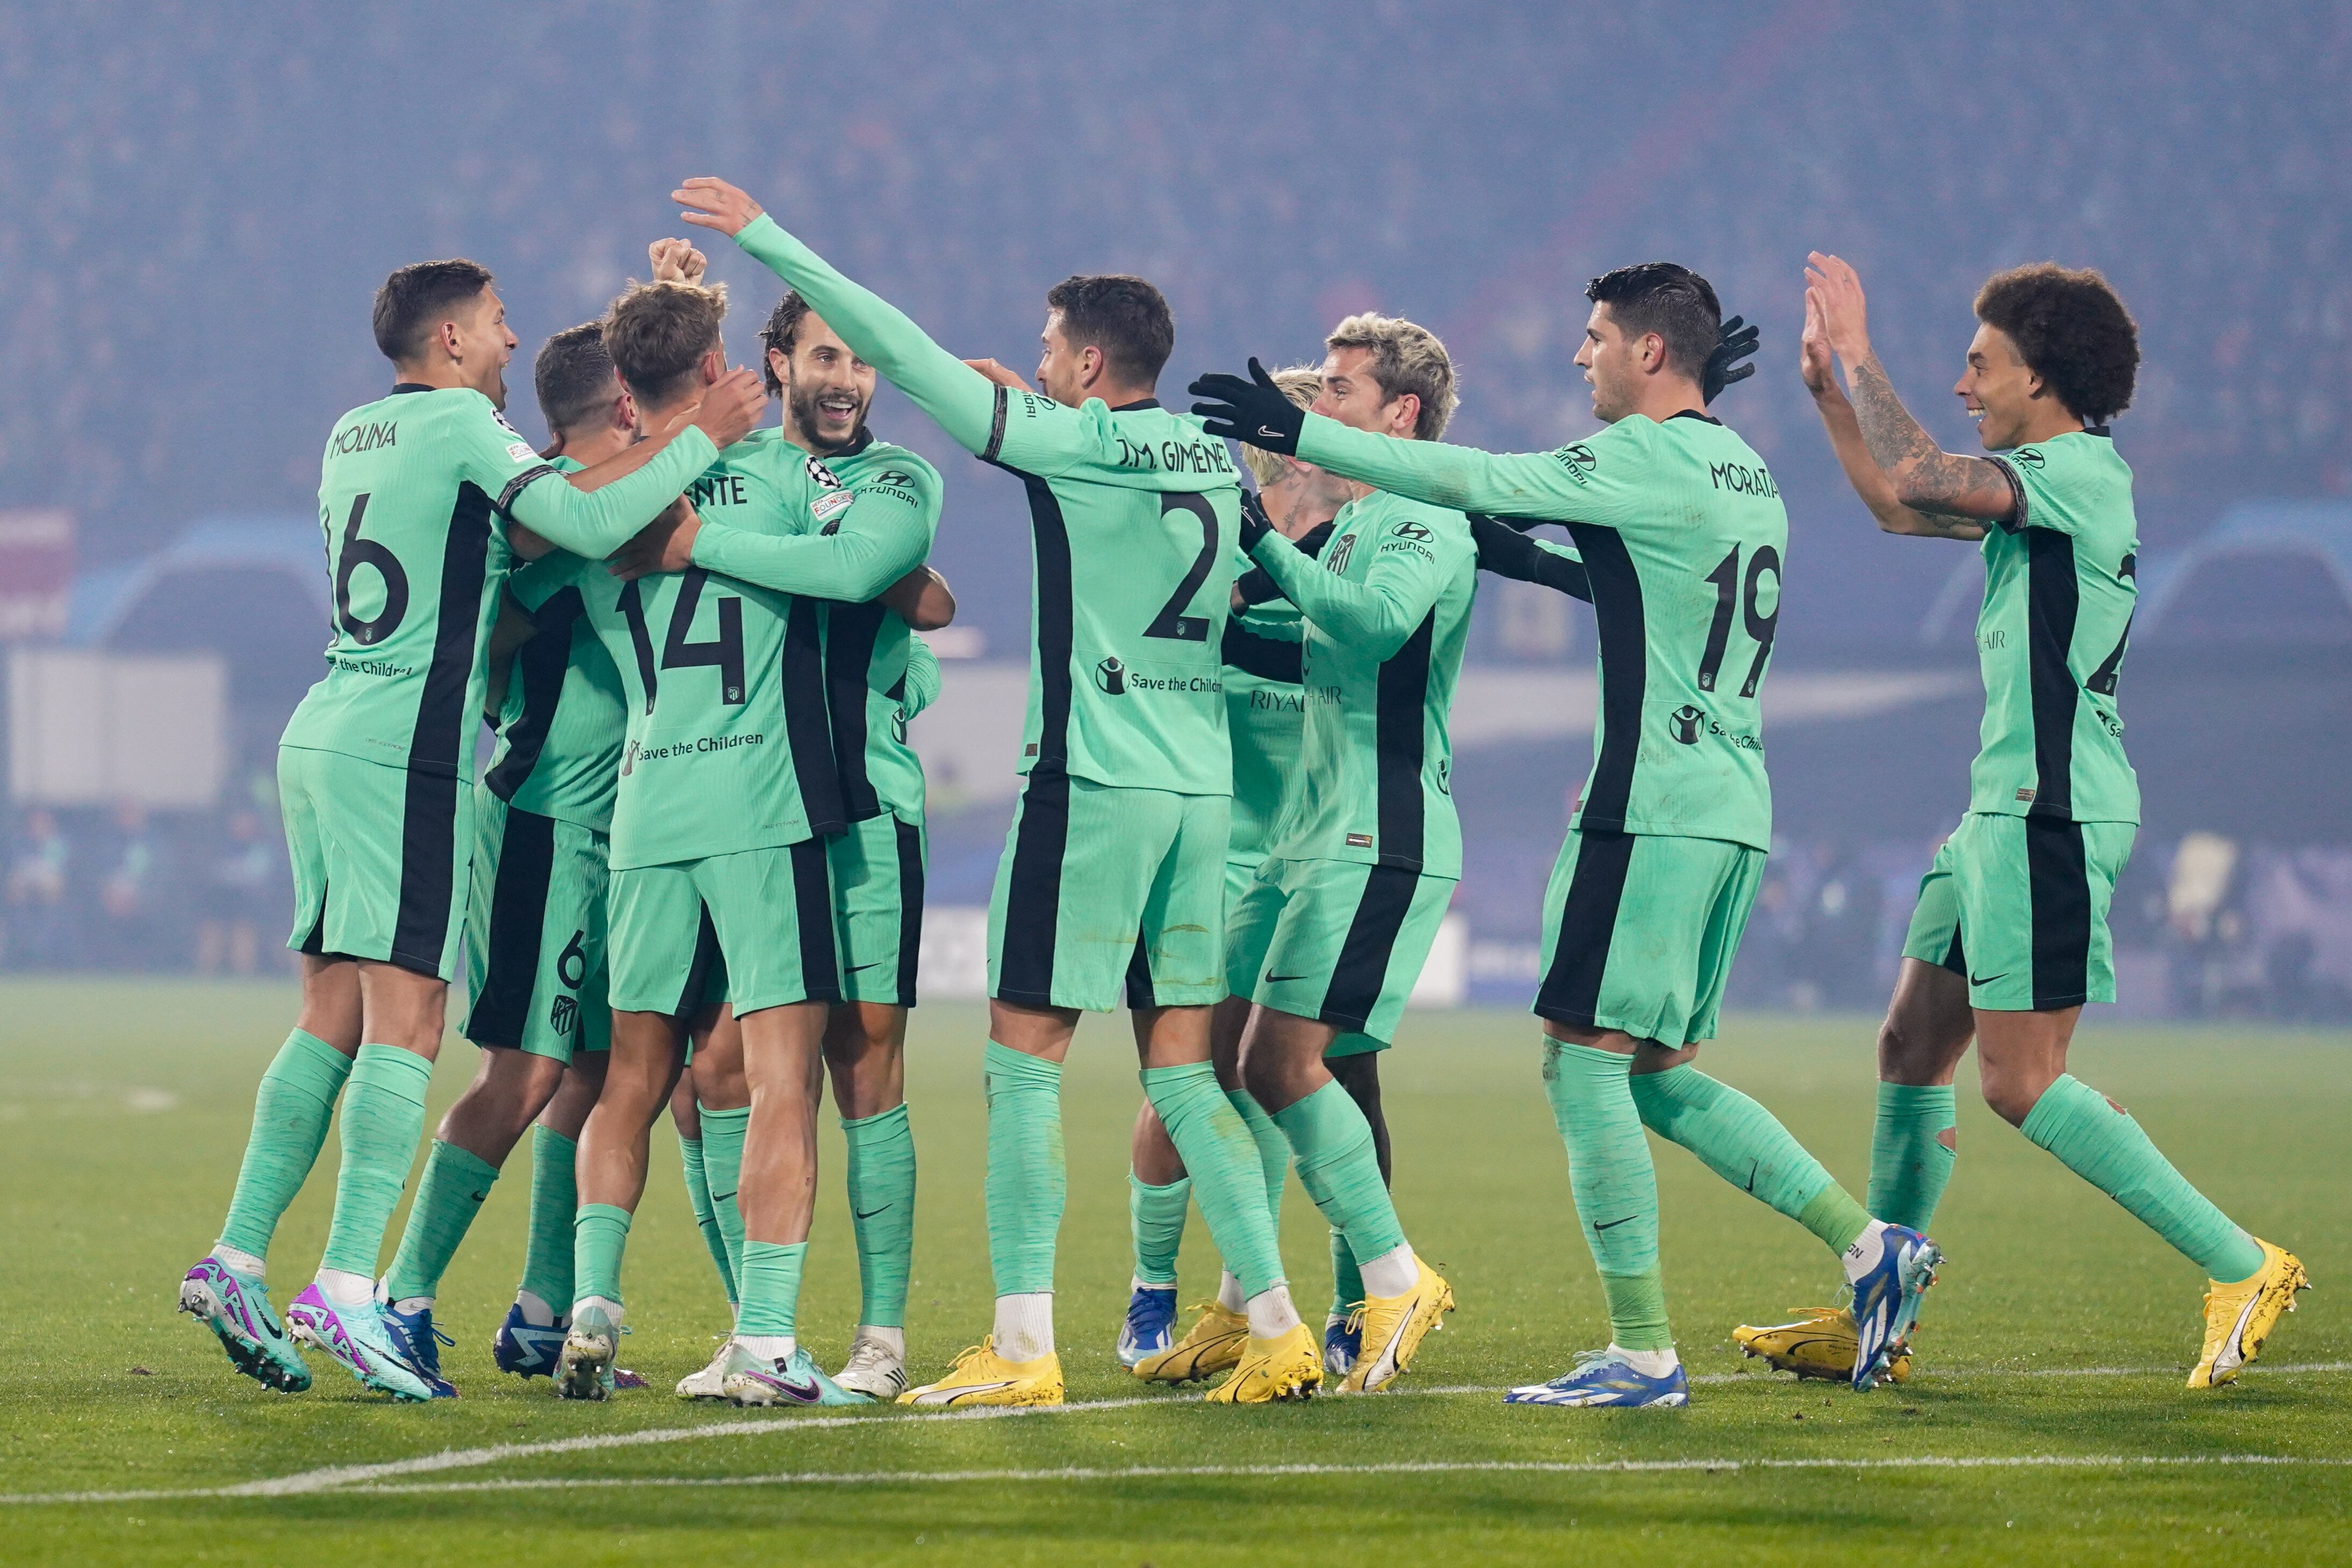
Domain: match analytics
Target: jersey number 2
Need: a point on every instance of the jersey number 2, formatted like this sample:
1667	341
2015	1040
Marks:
723	652
1729	591
1171	622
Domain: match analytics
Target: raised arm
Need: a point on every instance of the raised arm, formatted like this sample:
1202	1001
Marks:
1862	471
1381	613
959	398
1922	474
603	507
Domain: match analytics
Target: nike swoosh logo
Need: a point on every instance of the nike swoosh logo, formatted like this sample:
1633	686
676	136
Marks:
855	967
1987	979
1612	1223
1752	1166
870	1214
1278	979
806	1392
722	1197
966	1391
2233	1354
1269	432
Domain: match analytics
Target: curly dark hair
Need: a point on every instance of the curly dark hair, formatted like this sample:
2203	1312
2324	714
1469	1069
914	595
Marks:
782	328
2072	330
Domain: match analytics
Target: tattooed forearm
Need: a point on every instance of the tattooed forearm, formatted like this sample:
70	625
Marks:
1926	477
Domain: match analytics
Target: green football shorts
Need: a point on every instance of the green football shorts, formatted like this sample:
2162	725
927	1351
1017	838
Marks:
379	860
2031	893
878	908
1640	930
1336	940
768	913
1239	875
535	933
1103	887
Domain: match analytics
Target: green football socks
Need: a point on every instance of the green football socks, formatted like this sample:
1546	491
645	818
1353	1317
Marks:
599	1235
454	1185
2100	1142
1347	1280
769	1280
383	1118
881	1167
1027	1181
1228	1178
1616	1187
1911	1147
1744	1144
555	1202
291	1113
1273	1151
1156	1218
723	1173
705	1218
1332	1144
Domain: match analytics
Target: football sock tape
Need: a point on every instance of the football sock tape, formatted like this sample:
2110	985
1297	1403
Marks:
1910	1158
554	1200
1156	1218
454	1185
881	1168
1615	1187
1027	1181
1273	1151
771	1281
1339	1170
1744	1144
599	1235
723	1172
290	1113
2098	1141
1222	1157
384	1119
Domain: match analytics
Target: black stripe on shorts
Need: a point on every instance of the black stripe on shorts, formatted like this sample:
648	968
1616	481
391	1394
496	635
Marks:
429	871
518	915
698	969
2061	883
1956	957
911	909
813	907
1363	965
1033	894
1139	976
1571	991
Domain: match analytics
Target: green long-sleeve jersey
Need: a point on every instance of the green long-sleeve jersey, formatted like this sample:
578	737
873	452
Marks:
1387	612
884	504
413	491
1133	513
1682	537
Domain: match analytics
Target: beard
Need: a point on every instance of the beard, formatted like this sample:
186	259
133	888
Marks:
806	415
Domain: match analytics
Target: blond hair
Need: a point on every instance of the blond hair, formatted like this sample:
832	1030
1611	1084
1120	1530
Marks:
1405	358
1301	384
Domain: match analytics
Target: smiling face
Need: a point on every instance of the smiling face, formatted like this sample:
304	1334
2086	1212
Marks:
480	344
826	388
2001	394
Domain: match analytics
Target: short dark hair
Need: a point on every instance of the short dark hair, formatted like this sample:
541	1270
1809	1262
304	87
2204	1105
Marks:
2072	330
418	298
1670	301
573	376
783	326
1123	316
657	333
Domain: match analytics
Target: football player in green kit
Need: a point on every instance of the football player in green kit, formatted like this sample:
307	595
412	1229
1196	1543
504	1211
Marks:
1266	706
1112	880
2009	937
1681	532
878	675
418	493
726	700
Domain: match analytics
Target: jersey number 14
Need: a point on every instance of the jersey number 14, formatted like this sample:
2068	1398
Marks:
723	653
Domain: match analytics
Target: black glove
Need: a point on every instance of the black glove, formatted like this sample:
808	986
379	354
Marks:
1735	341
1507	552
1255	411
1255	525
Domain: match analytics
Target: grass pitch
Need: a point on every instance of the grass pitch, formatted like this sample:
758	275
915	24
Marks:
2047	1420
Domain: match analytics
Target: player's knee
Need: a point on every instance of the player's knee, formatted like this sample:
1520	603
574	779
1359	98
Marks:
2012	1091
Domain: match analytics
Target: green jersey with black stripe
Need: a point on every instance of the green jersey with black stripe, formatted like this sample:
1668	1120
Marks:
1387	610
1681	534
728	744
866	651
414	492
2061	581
563	719
1265	718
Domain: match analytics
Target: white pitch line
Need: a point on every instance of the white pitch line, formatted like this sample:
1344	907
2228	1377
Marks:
366	1477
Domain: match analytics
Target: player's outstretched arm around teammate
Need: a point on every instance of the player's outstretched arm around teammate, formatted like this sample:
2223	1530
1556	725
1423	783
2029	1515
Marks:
1507	552
1410	569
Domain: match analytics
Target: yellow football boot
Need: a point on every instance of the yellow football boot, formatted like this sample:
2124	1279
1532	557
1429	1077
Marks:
1214	1343
1819	1343
1290	1367
2239	1318
1393	1327
980	1376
